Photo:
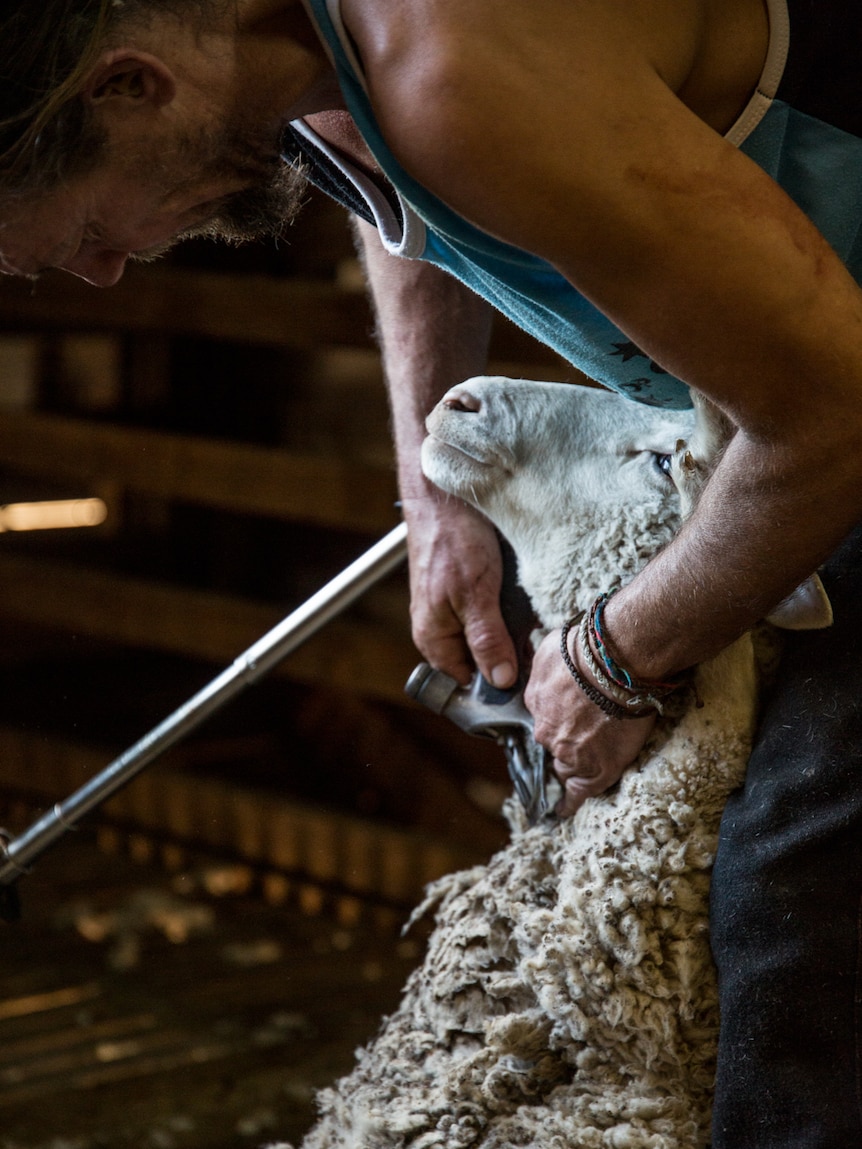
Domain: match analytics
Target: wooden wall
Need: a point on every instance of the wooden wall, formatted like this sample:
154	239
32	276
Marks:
228	408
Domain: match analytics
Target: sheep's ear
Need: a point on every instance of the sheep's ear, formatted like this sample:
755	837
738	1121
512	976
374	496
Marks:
806	608
712	431
694	458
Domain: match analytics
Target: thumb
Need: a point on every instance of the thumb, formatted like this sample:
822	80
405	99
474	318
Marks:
491	646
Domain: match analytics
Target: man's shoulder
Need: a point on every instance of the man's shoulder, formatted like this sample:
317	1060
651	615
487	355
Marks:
420	55
384	29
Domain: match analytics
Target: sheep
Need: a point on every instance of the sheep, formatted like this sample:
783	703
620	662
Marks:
567	998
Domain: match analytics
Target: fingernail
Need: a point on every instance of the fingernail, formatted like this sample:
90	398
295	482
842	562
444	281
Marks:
503	674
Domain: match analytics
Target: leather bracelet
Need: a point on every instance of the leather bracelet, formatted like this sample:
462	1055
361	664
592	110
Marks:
636	703
618	674
607	705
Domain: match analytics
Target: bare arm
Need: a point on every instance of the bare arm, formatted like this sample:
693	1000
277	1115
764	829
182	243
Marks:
713	271
708	267
434	333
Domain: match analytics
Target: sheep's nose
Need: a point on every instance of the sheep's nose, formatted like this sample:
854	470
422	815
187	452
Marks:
460	399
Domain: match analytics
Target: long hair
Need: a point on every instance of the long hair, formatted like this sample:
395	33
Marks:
49	46
48	49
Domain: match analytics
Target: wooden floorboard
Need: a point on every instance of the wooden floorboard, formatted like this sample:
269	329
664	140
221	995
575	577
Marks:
139	1009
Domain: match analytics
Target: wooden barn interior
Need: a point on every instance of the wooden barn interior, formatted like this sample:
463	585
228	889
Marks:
212	943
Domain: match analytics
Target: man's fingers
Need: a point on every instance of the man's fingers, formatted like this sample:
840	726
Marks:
458	642
455	578
448	653
492	647
576	790
485	646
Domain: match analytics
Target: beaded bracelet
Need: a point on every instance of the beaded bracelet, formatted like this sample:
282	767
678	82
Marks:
611	708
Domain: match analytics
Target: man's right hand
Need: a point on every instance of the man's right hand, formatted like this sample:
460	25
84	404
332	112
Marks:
455	578
434	333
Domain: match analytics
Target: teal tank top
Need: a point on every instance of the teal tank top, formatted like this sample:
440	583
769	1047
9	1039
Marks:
800	127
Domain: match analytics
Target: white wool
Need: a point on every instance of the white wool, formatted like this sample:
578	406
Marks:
567	999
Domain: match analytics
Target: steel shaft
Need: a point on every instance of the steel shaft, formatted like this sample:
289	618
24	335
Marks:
18	854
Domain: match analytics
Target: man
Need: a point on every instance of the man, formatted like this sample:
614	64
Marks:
581	165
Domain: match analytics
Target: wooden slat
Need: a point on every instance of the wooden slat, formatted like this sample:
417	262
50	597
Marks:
203	1042
255	309
330	849
217	473
350	654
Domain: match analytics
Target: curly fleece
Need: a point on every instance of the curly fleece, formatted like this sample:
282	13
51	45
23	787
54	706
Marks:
567	999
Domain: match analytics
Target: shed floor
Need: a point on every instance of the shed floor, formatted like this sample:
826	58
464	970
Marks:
139	1008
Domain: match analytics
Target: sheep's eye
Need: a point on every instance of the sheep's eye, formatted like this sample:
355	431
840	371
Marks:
663	463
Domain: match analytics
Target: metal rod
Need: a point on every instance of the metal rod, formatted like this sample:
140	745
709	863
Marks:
18	854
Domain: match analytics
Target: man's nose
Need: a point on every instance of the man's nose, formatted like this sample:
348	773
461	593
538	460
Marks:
102	268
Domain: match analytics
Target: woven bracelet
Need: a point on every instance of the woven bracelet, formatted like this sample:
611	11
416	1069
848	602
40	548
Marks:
635	703
595	630
611	708
669	697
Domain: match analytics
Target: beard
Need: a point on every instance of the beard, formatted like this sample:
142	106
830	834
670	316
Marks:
264	209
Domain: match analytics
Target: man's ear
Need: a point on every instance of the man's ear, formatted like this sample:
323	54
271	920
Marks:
132	76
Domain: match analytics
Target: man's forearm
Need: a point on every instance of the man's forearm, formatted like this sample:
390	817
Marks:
433	333
766	520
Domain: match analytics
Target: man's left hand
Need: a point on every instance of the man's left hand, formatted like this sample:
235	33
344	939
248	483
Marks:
591	750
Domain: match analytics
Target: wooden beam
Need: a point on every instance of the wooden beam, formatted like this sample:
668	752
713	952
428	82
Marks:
264	310
231	476
350	654
254	309
325	847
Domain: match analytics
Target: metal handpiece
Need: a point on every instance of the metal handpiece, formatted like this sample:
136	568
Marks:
528	764
483	710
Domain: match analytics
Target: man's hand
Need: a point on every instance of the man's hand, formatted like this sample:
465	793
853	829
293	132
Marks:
590	750
455	579
434	333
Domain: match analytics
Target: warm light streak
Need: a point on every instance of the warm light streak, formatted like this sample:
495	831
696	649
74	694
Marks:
52	514
52	999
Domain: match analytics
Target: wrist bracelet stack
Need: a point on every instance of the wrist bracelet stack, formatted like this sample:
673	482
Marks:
608	705
619	694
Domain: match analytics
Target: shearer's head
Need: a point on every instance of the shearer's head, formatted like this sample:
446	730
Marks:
126	125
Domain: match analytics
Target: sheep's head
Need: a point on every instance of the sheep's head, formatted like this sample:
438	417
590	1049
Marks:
576	478
585	484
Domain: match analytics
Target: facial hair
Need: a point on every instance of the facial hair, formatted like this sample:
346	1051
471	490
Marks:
264	209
